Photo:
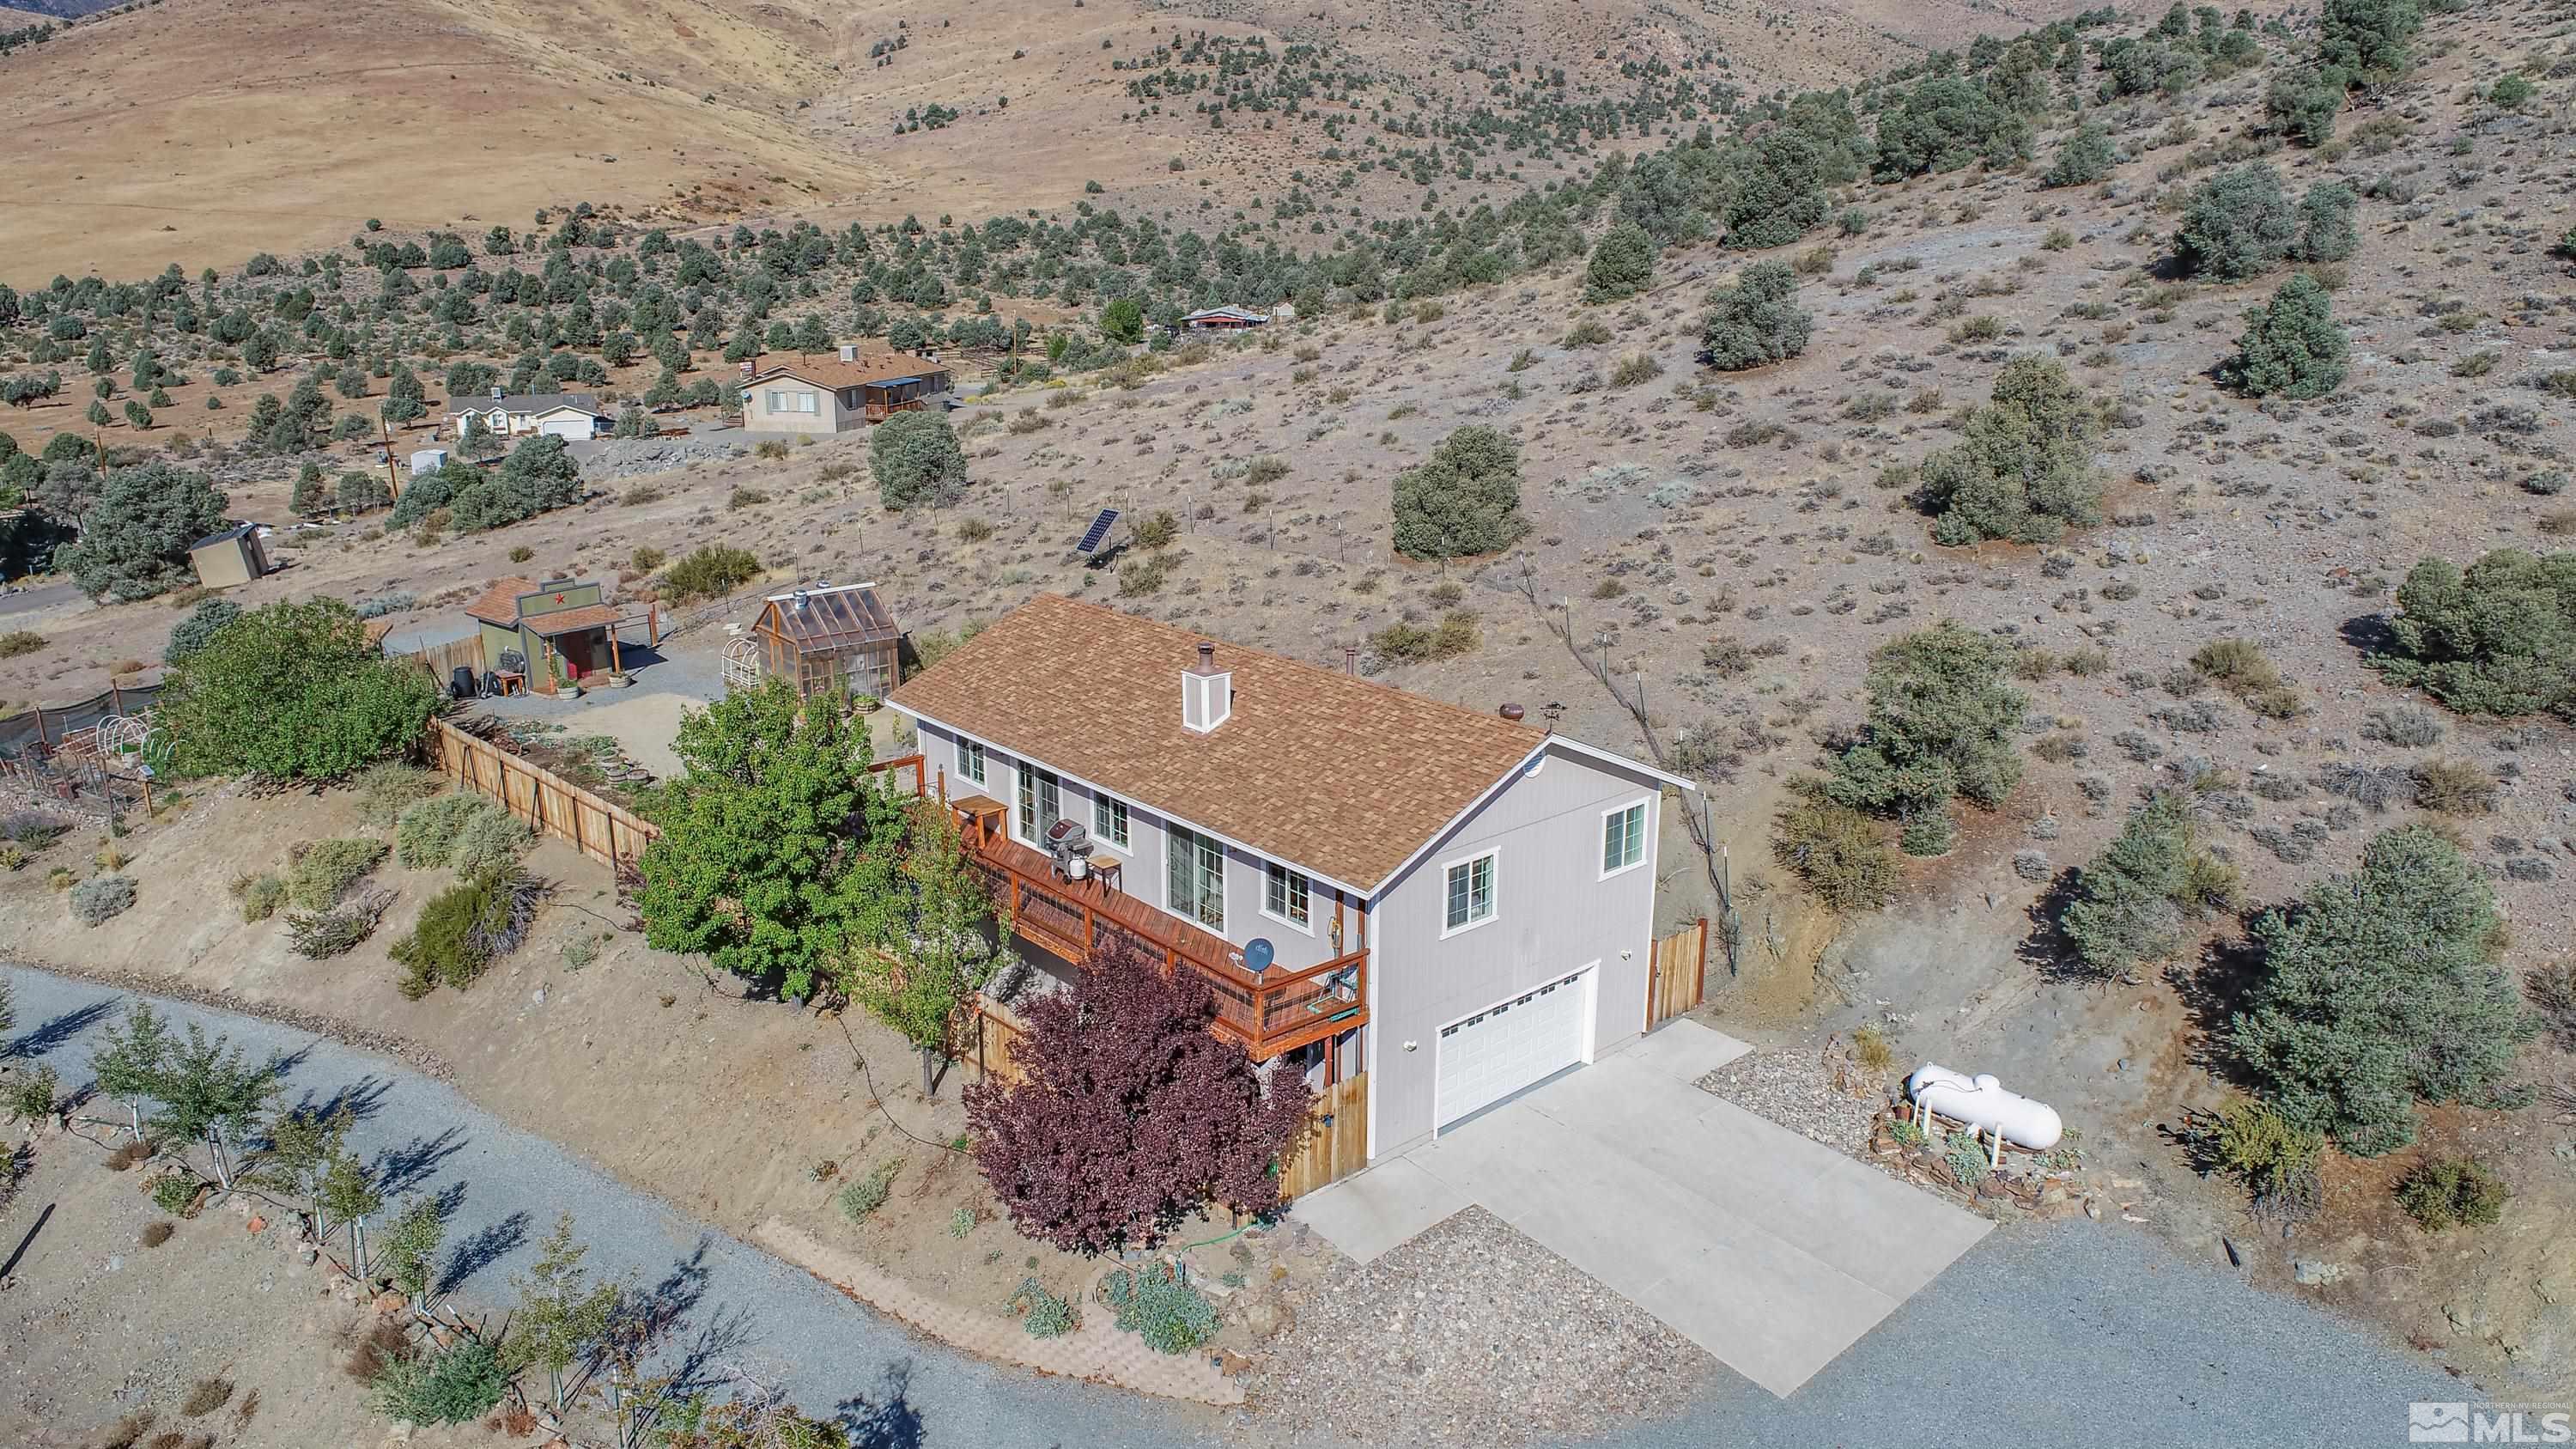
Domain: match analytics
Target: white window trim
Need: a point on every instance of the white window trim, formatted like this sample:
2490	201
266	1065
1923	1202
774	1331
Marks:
1645	835
983	761
1028	772
1099	836
1493	852
1308	928
1224	874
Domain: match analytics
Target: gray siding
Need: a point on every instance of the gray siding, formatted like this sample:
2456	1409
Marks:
1145	869
1554	915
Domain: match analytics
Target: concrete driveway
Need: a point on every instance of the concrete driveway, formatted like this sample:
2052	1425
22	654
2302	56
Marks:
1772	1252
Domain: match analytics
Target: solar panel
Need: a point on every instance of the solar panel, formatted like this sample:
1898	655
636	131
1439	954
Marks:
1099	530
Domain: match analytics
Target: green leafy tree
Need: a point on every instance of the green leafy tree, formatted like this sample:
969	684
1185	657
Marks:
2240	224
1622	265
1942	717
199	1087
2291	347
562	1313
2494	638
2084	157
2024	470
2370	40
2304	104
405	401
926	946
1123	321
476	441
917	461
1755	322
1944	122
134	540
310	497
635	422
540	474
292	691
1464	500
410	1248
1778	192
774	837
2381	989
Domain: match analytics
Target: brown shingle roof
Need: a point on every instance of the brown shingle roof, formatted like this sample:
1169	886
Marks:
1341	775
833	372
573	620
499	604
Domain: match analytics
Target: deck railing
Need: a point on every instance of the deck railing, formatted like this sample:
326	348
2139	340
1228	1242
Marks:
1269	1012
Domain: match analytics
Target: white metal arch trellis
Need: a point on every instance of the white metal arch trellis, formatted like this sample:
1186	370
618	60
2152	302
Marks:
742	664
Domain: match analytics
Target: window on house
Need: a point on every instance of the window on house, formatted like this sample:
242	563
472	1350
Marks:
1286	896
1623	838
807	402
1109	820
1471	892
1194	877
777	401
970	760
1041	803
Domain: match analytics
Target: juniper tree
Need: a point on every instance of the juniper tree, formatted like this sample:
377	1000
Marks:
1463	500
2024	470
2290	346
2381	989
1755	322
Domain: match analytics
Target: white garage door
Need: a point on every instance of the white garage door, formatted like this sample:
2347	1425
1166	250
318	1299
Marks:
1507	1046
565	427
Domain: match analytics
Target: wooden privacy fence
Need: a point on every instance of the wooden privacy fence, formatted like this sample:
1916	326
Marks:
1680	973
605	832
1336	1143
442	660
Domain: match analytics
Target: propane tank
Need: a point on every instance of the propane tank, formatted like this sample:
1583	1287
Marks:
1982	1103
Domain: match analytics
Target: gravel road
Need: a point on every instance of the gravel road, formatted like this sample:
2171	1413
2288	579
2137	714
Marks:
2072	1334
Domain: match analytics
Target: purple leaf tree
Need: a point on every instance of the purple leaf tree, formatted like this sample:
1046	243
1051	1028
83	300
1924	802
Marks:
1132	1115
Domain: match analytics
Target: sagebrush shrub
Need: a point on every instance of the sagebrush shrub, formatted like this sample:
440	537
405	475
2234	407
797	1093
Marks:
425	834
100	899
328	868
1156	1306
1840	853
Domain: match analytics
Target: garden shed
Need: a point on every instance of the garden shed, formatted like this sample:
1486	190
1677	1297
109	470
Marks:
231	557
832	635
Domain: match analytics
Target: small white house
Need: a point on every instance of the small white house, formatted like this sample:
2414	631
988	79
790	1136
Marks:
554	414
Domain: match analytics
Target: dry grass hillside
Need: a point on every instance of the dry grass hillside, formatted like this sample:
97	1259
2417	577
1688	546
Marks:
202	131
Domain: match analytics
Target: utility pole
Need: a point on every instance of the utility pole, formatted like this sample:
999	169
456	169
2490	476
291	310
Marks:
392	489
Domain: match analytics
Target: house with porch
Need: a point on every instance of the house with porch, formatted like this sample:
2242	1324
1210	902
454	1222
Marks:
1228	318
804	394
512	415
1453	903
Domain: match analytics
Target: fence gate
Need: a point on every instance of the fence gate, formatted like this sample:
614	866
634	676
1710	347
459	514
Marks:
1679	975
1336	1141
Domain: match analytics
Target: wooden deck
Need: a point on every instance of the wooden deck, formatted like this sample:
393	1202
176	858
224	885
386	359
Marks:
1269	1012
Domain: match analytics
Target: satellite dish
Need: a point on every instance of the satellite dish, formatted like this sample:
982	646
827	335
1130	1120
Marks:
1258	953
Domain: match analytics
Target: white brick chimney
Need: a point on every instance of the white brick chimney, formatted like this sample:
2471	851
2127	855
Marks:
1207	693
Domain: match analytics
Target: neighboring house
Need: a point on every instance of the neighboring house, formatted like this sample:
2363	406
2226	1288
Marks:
837	394
557	632
1224	319
231	557
557	414
1458	903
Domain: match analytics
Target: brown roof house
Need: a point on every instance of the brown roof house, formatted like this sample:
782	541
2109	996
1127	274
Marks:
805	394
1453	901
550	634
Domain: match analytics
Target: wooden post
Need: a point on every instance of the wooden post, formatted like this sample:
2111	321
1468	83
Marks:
393	488
40	726
653	623
616	665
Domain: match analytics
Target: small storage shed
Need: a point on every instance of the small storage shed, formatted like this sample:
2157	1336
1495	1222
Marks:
827	636
556	632
428	460
231	557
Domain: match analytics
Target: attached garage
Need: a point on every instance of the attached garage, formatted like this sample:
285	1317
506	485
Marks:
568	424
1512	1044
